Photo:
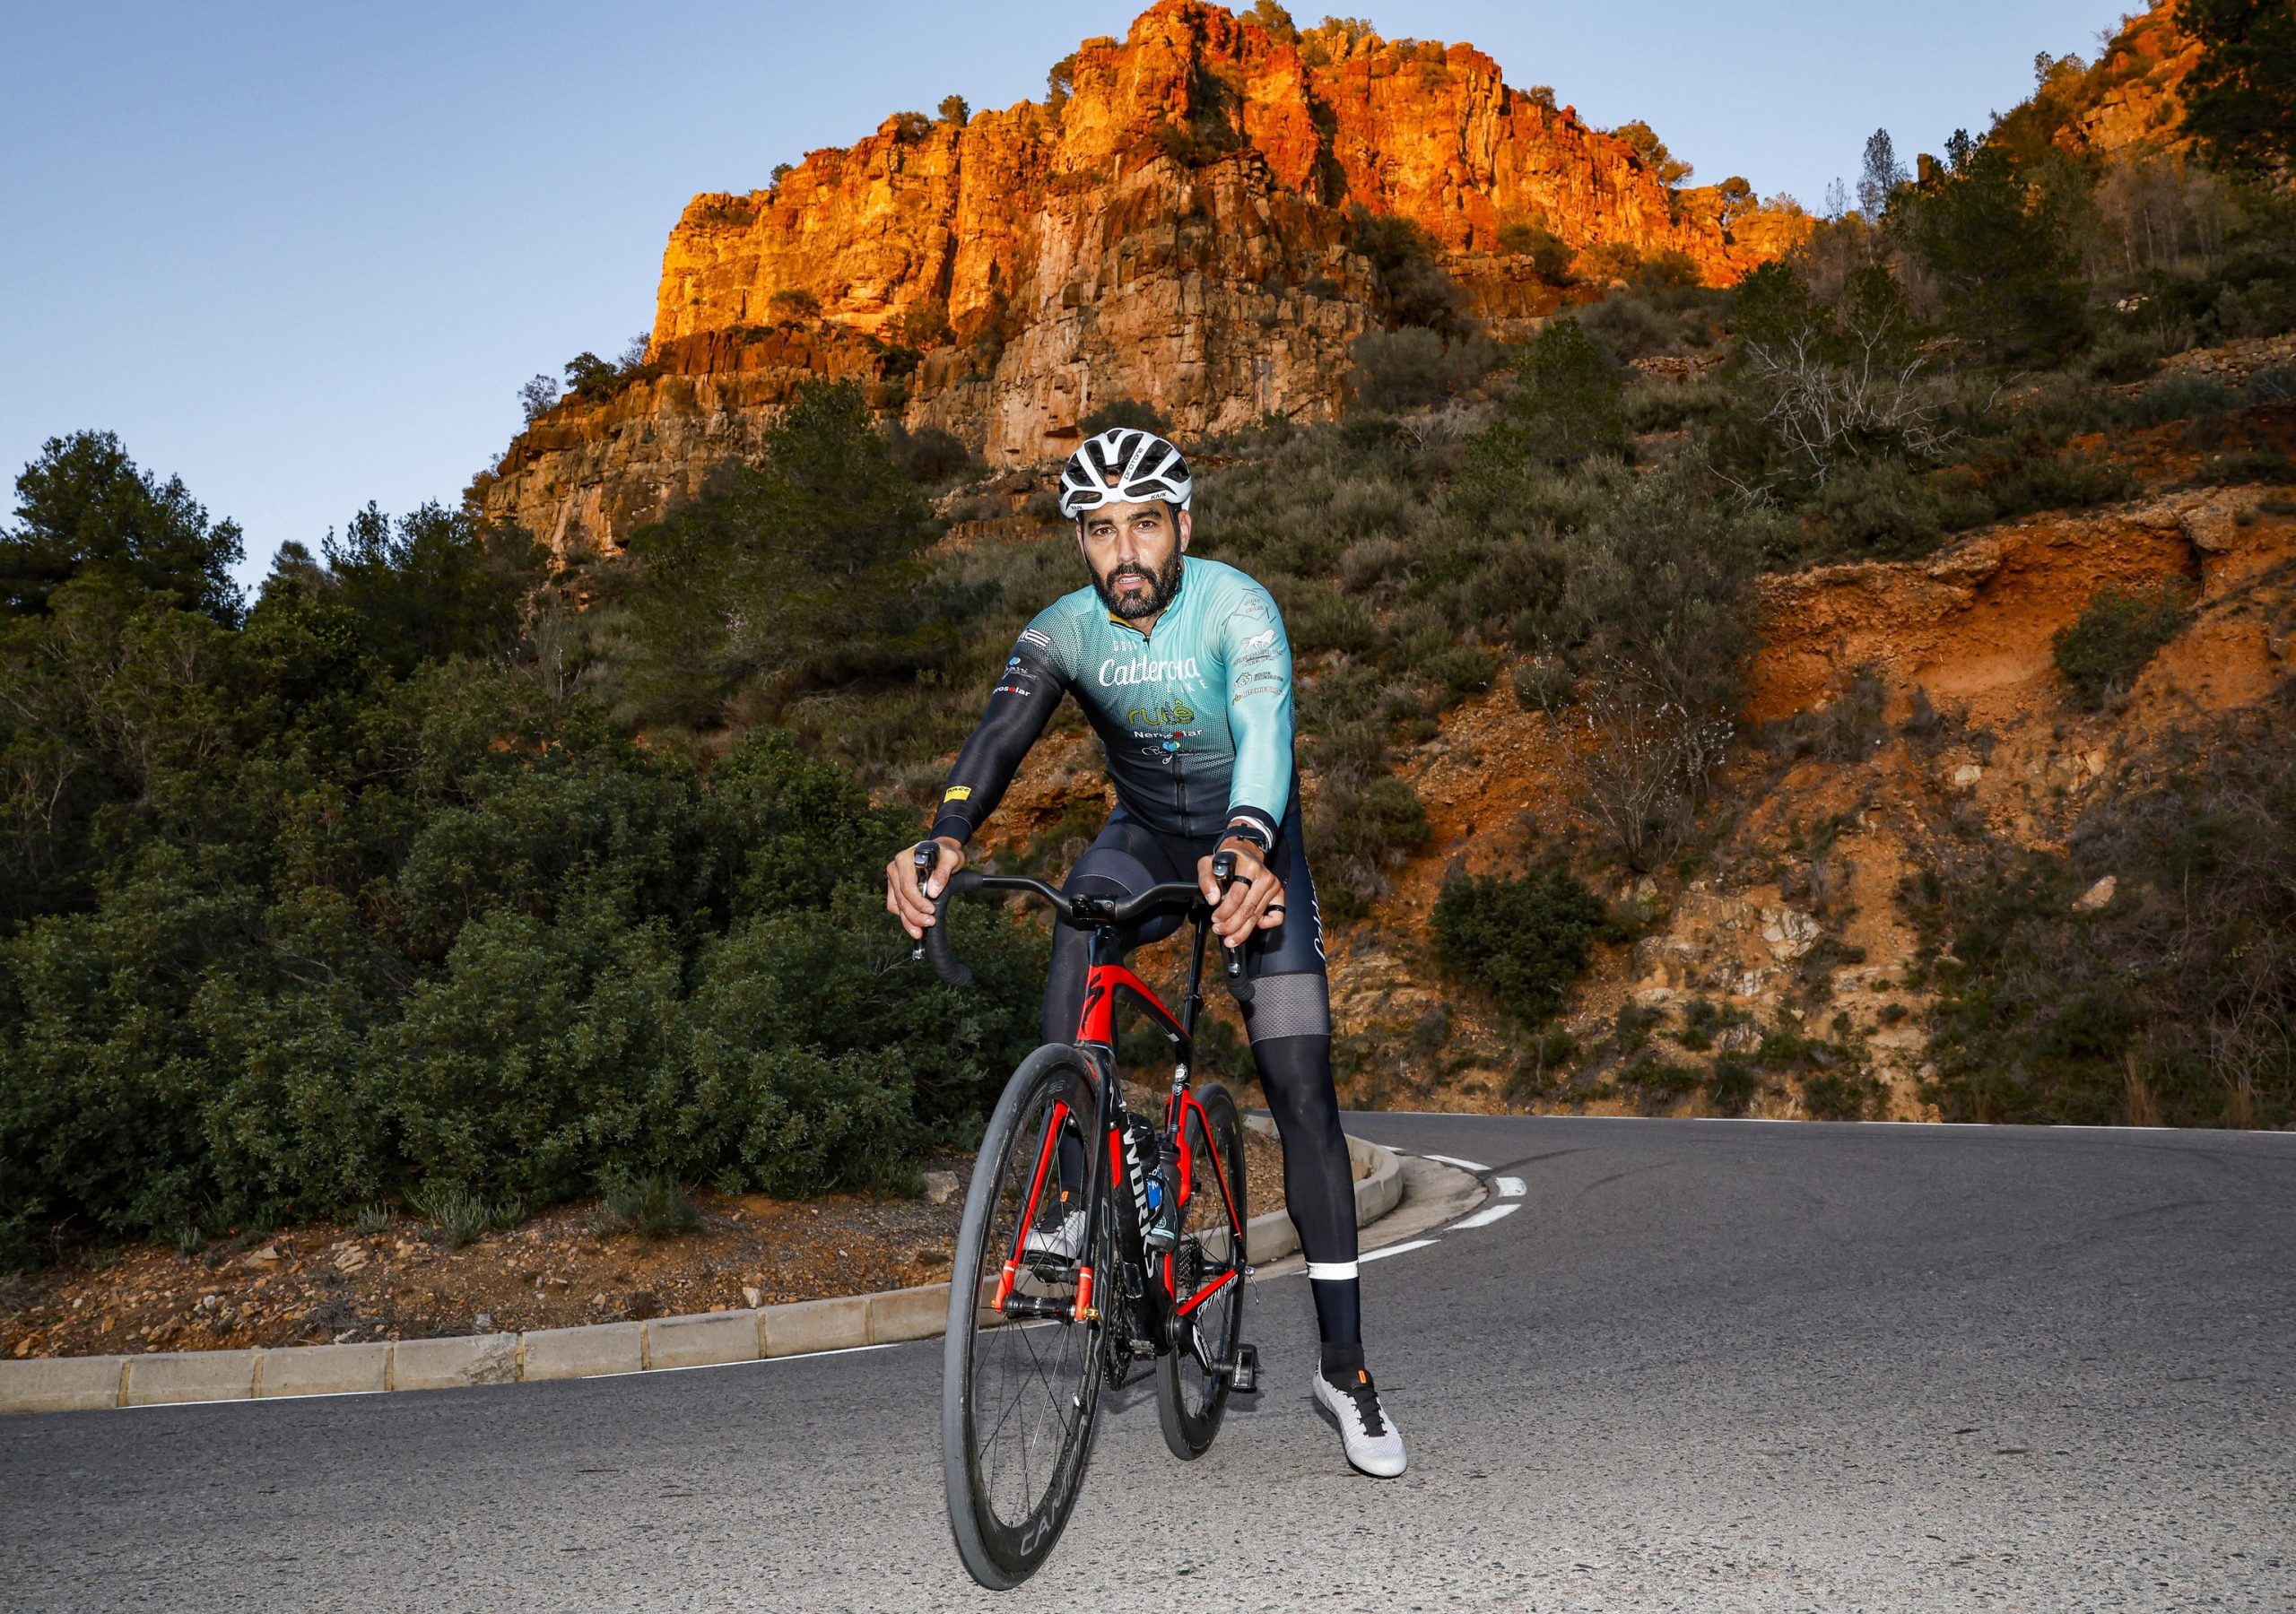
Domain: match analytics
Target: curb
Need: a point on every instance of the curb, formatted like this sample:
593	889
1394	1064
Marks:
601	1349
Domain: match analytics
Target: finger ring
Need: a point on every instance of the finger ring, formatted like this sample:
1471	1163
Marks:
1275	908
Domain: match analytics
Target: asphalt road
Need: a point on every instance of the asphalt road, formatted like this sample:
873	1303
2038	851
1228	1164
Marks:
1705	1366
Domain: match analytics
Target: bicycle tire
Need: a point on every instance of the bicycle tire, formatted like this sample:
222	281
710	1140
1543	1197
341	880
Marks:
1190	1402
984	1358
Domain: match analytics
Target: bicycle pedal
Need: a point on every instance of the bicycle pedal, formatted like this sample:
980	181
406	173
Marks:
1242	1370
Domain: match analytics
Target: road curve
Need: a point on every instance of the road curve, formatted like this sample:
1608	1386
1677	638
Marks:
1704	1365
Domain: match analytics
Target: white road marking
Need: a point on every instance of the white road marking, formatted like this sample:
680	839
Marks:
1484	1217
1509	1187
1396	1249
1455	1161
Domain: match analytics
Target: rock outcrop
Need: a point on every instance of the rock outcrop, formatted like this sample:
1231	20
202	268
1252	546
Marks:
2127	100
1174	224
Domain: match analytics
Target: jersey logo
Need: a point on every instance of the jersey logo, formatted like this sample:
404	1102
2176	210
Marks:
1140	670
1163	716
1258	640
958	792
1034	638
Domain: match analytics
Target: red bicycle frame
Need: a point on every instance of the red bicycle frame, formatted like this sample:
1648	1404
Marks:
1105	980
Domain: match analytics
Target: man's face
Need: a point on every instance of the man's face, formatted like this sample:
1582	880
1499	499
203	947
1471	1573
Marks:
1134	553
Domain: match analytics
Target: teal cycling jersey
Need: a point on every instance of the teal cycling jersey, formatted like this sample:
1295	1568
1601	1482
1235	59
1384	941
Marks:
1194	715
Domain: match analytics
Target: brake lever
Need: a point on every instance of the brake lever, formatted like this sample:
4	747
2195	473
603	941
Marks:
927	858
1223	873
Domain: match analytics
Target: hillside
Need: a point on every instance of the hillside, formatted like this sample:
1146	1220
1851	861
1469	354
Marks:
1175	224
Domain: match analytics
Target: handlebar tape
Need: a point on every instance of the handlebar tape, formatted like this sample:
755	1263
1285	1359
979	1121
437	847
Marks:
938	952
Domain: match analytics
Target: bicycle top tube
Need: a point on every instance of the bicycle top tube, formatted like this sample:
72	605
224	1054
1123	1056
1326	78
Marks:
1079	908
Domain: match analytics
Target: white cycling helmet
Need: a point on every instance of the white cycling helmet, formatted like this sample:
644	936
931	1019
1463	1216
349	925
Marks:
1124	465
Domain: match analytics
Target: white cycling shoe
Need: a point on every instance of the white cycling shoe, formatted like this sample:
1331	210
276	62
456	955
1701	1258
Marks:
1064	1242
1374	1443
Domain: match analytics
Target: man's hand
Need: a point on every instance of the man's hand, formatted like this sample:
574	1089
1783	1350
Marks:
904	899
1254	898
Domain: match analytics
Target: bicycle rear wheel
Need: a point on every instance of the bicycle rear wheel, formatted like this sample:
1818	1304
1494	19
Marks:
1019	1388
1207	1276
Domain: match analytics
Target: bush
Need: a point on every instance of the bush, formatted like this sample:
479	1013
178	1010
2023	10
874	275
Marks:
568	964
795	303
1732	1086
1413	289
1627	327
2132	1014
2181	398
2117	635
1522	940
653	1206
1415	367
1550	256
932	458
1121	414
1566	404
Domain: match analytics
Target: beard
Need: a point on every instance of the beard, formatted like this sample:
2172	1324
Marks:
1162	586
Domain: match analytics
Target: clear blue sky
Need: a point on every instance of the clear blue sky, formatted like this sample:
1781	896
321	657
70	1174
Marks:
303	255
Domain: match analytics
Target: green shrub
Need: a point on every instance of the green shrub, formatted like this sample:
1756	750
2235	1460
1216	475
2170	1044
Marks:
2181	398
653	1206
1566	404
1360	829
1523	940
1413	367
1550	256
1732	1086
2132	1014
1119	414
1841	1095
2117	635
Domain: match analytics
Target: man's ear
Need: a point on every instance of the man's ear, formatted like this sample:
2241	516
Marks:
1188	529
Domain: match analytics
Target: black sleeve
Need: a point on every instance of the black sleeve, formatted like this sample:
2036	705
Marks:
1020	705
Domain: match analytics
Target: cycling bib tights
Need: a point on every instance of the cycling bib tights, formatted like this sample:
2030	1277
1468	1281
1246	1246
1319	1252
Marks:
1195	715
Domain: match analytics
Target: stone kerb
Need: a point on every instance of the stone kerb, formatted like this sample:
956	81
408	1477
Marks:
701	1339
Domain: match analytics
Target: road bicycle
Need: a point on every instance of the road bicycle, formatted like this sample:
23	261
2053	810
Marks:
1096	1245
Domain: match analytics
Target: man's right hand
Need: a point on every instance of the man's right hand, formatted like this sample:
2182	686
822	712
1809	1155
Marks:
905	899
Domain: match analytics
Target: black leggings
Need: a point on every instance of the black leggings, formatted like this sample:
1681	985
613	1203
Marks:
1288	1020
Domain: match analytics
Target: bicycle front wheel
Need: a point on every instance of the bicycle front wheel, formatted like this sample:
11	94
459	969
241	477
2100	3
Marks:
1205	1275
1021	1382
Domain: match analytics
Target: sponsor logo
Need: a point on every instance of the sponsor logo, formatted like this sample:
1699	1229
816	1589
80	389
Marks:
1258	640
1010	689
1163	716
1259	678
1252	608
1254	660
957	792
1013	662
1034	638
1142	669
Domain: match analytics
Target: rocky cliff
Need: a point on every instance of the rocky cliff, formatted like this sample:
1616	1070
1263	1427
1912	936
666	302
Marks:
1174	223
2127	100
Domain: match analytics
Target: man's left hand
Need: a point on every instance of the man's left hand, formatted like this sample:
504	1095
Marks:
1254	900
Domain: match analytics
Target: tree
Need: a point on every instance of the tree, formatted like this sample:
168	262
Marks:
537	398
1276	20
1566	402
2003	248
433	583
1669	169
955	110
1883	175
2240	96
1550	256
798	569
85	510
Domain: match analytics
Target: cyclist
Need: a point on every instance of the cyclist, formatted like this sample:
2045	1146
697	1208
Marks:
1182	666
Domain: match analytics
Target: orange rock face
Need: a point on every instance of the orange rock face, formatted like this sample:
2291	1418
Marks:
1173	228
